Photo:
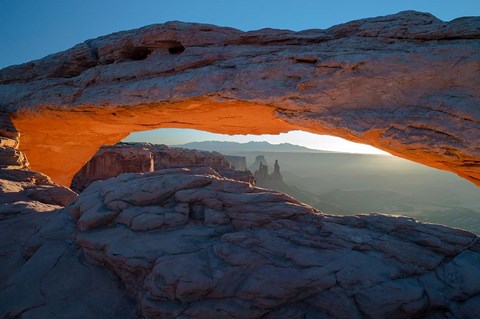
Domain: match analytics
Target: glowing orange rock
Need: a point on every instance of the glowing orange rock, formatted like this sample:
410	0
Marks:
406	83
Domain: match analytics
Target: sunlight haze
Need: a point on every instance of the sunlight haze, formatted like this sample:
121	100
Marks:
313	141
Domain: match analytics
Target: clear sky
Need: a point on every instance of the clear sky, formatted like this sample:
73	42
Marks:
31	29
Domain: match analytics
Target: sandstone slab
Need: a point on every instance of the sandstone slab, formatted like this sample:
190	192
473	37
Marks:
238	251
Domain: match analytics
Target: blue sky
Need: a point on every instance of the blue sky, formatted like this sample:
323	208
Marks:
31	29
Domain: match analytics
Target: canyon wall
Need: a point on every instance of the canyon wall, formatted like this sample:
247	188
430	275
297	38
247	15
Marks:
172	157
406	83
111	161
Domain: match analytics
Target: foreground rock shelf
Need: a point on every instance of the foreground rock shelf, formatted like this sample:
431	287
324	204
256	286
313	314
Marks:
190	244
406	83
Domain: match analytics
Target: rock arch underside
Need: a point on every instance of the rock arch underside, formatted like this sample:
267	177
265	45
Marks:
183	243
407	83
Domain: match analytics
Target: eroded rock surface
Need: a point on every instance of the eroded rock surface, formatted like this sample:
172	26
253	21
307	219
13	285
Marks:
406	83
190	244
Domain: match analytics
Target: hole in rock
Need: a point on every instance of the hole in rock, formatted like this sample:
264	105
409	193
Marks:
331	174
176	48
135	53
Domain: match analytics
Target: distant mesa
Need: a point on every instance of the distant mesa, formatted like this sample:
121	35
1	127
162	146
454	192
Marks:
111	161
224	146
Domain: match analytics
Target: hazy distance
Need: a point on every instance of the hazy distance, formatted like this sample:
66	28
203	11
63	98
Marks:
328	176
309	140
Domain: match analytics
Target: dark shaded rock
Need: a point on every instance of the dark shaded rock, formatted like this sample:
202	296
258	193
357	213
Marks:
219	248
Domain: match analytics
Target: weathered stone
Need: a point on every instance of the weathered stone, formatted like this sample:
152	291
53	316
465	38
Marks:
406	83
226	249
263	254
11	157
42	275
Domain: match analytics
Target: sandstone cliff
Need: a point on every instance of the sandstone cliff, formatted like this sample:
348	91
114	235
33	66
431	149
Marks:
406	83
111	161
171	157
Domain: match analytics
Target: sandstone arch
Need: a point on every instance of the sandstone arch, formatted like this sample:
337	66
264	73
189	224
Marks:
406	83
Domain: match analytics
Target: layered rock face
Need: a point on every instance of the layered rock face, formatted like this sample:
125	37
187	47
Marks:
111	161
405	83
190	244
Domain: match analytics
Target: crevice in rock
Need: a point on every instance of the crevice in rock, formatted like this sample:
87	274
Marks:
135	53
306	60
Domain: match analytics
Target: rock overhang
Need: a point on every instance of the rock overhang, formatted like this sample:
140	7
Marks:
406	83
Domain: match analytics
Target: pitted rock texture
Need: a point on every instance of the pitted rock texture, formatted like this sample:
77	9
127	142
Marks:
190	244
111	161
406	83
